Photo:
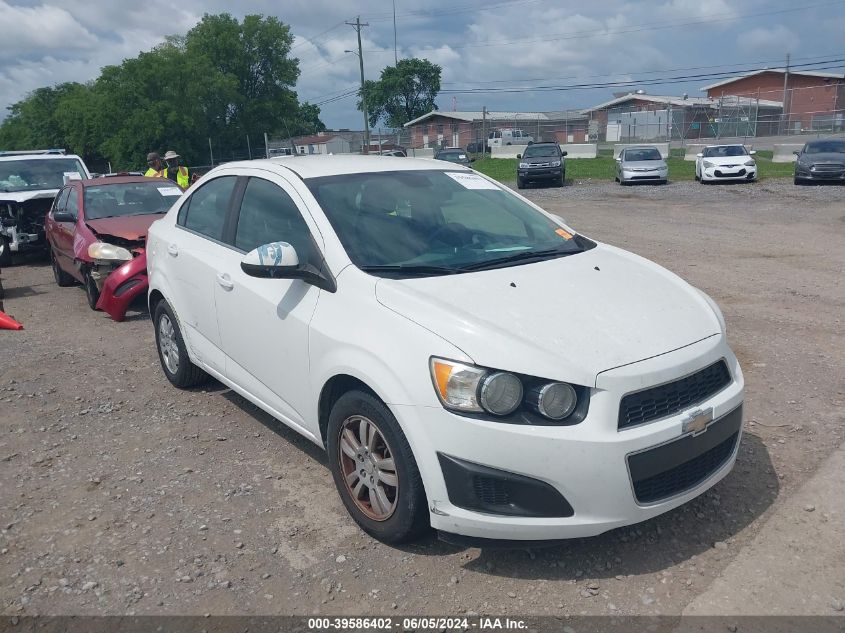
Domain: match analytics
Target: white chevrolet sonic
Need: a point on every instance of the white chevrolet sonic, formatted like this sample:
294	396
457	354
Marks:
469	362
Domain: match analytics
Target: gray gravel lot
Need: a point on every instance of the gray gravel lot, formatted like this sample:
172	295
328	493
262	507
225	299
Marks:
120	494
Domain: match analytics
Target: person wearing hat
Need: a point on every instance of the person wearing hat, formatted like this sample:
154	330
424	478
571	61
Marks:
155	166
174	171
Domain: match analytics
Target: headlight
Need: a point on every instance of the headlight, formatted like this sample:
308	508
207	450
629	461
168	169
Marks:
523	165
708	164
469	389
106	252
556	163
554	400
501	393
750	163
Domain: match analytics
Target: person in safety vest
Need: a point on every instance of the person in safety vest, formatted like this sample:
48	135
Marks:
174	171
155	165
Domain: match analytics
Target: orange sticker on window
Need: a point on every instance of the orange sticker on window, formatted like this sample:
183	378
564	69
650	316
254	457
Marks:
564	234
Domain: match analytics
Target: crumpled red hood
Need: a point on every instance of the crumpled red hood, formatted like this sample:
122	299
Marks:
130	227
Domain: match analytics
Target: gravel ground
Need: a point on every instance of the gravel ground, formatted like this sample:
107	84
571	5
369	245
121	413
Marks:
122	495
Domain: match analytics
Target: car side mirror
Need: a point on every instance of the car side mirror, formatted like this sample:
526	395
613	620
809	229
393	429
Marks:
279	260
518	156
752	152
699	155
64	216
564	153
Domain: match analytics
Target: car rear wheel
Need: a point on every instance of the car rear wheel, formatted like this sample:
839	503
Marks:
62	278
374	469
172	353
5	251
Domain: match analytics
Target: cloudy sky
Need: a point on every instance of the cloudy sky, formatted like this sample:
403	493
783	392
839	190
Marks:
481	45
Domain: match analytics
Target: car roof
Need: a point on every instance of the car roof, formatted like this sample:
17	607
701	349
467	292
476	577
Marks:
725	145
318	165
543	143
122	180
38	157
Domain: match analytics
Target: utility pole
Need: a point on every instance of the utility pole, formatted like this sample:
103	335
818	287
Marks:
248	148
785	84
357	26
266	146
210	152
719	119
483	131
395	54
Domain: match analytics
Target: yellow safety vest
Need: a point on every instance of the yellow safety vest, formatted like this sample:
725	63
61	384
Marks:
182	178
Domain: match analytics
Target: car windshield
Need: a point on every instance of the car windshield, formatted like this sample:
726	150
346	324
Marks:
133	198
418	223
825	147
29	174
647	153
724	150
541	151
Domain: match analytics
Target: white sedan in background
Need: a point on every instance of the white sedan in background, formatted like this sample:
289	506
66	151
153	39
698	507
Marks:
468	361
725	162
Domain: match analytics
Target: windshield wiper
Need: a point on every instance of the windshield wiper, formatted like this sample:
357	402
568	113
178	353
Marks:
519	257
412	269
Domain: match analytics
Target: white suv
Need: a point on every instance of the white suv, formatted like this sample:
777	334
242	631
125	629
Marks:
468	360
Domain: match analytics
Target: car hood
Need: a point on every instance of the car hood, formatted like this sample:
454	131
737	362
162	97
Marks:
824	157
644	164
568	319
23	196
728	160
129	227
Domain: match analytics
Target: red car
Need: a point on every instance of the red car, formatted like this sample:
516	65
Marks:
97	230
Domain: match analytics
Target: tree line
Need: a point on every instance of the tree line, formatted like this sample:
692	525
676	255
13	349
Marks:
223	80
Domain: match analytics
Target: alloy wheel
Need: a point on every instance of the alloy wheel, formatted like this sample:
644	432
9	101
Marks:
167	344
368	467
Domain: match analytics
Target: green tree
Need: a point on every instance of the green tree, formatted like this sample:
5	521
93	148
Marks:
403	92
223	80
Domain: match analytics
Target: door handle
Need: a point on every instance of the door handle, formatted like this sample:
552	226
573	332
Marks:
225	281
173	250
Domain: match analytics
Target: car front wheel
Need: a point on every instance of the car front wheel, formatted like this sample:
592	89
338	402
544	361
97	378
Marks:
520	183
172	353
92	293
374	469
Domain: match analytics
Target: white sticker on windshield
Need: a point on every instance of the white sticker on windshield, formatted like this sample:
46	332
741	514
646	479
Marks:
71	175
170	191
471	181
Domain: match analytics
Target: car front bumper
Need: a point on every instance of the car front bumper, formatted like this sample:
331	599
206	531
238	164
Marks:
122	286
742	172
654	175
588	464
820	176
544	173
22	241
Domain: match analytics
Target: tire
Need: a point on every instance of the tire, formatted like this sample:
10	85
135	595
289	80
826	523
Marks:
182	373
92	294
798	182
400	513
5	252
520	183
559	182
62	278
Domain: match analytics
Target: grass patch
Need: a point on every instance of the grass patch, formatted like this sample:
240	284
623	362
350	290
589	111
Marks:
604	168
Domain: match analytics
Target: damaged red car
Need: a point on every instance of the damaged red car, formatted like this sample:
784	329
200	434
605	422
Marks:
97	231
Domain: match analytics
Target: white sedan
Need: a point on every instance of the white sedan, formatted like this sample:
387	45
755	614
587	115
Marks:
469	362
725	162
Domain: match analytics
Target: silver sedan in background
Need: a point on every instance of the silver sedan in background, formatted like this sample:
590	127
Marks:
641	164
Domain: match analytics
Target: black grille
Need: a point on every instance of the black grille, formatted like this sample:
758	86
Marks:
829	167
490	490
659	402
684	476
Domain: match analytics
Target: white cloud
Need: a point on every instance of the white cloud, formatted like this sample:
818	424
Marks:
768	41
41	29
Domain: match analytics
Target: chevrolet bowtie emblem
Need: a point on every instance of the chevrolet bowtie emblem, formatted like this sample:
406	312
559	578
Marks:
697	422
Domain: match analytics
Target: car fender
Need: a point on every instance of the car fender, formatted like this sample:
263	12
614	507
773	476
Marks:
122	286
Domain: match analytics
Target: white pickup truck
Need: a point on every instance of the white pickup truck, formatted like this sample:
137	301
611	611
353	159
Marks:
507	136
29	181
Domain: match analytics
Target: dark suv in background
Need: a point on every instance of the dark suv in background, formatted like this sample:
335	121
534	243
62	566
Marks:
541	162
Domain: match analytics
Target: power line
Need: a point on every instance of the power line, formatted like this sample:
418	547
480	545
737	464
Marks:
820	65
